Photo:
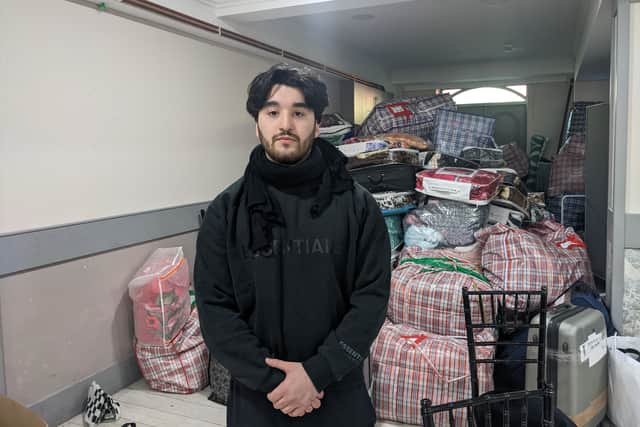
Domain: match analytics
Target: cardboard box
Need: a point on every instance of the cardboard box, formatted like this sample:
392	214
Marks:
13	414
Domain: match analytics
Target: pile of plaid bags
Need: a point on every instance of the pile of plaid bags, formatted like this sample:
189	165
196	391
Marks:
465	220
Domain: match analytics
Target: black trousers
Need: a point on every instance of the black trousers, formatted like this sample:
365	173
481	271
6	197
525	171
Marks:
345	404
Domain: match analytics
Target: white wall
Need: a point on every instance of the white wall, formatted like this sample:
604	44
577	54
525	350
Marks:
306	41
545	112
104	116
633	145
591	90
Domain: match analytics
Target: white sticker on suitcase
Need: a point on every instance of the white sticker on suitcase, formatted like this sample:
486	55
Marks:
438	187
594	349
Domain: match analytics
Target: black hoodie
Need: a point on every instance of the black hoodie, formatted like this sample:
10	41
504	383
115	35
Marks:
319	296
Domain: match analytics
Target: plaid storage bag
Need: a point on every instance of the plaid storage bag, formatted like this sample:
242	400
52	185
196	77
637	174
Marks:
516	158
568	210
426	293
455	131
567	169
180	366
565	238
415	116
548	255
409	365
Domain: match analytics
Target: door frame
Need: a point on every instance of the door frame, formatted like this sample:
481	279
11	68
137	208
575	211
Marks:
618	139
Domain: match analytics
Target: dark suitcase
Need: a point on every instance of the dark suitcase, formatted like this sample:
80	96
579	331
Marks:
388	177
576	362
436	160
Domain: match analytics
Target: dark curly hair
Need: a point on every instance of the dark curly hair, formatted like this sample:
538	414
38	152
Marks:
303	78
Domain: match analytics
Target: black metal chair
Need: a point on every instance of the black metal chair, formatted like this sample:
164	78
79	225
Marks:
512	408
480	410
504	319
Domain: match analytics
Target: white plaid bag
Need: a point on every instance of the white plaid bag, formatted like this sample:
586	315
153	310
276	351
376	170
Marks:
455	131
546	254
99	406
426	293
179	366
415	116
409	365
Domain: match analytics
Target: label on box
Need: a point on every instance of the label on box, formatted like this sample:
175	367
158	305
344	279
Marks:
447	189
594	349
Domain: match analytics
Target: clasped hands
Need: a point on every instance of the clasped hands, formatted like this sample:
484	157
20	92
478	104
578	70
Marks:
296	395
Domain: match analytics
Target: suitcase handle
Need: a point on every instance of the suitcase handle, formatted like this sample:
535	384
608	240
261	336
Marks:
444	190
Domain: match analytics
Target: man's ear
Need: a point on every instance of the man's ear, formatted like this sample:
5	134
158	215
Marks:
317	131
257	132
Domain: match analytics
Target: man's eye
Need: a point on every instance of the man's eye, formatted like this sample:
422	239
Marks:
298	114
272	113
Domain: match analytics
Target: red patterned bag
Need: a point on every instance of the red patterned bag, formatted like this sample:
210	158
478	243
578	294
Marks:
567	169
426	293
180	366
410	365
514	259
516	158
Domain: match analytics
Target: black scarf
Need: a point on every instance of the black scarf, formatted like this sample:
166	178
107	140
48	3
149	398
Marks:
322	173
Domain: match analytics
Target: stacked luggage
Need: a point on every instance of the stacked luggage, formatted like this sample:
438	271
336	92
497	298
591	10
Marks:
468	220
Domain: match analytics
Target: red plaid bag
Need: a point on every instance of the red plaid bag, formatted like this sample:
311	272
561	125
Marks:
410	365
518	260
516	158
180	366
567	169
430	298
565	238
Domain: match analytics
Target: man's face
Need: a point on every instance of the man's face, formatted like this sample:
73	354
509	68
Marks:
286	126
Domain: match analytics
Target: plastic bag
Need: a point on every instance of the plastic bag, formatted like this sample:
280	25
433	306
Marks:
624	381
455	221
160	294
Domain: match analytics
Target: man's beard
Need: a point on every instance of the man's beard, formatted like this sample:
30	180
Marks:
289	158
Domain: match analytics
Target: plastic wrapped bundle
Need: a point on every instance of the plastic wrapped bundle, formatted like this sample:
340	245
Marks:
456	222
394	199
160	294
465	185
486	157
436	160
405	140
405	155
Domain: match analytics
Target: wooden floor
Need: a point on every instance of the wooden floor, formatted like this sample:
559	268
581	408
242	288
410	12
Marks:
148	408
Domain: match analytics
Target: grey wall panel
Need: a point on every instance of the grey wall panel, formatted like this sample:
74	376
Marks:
66	404
3	383
632	231
28	250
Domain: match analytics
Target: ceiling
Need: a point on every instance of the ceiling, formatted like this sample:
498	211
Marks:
417	39
419	33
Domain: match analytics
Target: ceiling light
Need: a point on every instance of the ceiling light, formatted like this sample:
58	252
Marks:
362	17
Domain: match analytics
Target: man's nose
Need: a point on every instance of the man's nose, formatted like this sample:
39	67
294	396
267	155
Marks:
285	122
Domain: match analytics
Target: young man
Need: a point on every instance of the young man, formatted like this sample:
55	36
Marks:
292	269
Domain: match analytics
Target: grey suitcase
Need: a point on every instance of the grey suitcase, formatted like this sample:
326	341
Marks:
576	363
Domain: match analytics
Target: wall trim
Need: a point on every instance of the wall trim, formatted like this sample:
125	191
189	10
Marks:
632	229
67	403
3	382
33	249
